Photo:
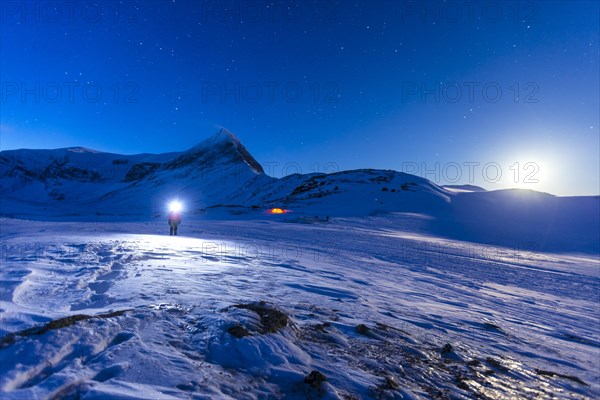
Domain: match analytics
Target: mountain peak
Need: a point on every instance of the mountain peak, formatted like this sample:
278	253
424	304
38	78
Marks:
225	135
222	136
227	143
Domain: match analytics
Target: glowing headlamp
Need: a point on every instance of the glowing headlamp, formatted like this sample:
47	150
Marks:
175	206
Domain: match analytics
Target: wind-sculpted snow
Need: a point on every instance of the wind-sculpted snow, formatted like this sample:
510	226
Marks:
345	309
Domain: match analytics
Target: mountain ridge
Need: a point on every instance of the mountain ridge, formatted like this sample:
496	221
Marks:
219	179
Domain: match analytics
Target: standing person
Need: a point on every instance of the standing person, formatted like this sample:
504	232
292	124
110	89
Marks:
174	220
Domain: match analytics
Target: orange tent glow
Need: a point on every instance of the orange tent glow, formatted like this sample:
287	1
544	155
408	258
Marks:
277	211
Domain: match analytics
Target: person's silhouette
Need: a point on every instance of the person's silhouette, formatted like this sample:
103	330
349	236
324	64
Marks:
174	221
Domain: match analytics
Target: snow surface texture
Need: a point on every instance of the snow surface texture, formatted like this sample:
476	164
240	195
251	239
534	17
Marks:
378	312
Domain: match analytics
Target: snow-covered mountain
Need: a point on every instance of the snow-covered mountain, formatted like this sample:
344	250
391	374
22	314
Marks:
217	173
77	181
219	178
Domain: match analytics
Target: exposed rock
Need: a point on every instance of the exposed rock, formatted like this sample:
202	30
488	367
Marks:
496	364
473	363
140	171
271	319
362	329
447	348
55	324
238	331
569	377
315	379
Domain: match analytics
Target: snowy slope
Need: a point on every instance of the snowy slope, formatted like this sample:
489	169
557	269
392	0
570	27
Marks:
97	311
525	219
463	188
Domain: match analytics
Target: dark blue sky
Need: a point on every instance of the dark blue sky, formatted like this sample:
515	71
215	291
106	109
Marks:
454	91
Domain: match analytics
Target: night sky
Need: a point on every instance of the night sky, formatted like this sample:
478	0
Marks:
453	91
